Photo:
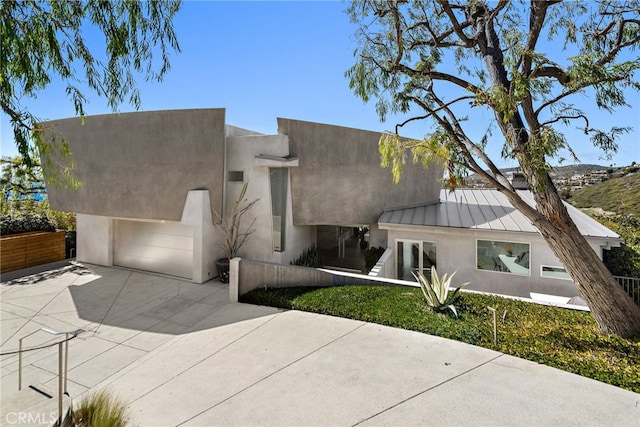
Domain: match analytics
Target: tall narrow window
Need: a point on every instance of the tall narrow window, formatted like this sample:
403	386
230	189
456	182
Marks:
279	178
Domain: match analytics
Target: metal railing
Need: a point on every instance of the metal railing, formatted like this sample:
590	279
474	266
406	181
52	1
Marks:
631	285
63	356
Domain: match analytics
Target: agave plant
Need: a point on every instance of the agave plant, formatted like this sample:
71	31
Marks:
436	291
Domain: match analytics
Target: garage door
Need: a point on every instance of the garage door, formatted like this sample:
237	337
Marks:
159	247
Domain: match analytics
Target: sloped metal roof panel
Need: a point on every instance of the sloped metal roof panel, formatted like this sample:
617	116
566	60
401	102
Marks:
483	209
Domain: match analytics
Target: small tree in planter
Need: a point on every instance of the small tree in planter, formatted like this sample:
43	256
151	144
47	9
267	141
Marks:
229	227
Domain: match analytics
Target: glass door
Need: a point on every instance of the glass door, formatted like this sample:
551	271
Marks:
414	256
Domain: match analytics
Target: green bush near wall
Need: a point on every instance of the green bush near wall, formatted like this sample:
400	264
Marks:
22	223
310	257
625	260
34	215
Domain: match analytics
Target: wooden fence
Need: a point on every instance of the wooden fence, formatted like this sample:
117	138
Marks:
24	250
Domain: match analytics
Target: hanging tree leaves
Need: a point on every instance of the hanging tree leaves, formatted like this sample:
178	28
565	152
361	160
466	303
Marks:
43	41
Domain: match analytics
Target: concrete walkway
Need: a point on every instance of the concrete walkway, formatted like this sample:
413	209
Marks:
181	354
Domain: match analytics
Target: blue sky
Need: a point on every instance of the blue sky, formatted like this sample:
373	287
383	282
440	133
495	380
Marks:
263	60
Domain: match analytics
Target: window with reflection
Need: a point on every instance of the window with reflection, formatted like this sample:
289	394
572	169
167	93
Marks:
414	256
505	257
554	272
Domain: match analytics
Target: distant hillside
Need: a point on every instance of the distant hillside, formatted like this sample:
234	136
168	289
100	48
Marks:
579	169
618	194
558	172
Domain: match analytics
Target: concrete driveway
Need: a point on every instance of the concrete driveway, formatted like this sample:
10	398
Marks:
181	354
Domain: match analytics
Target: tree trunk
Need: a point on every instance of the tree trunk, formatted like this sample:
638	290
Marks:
613	309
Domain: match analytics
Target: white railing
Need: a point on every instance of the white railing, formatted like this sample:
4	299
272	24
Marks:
631	285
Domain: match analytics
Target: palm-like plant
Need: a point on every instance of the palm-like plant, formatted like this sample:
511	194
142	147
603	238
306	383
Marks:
436	291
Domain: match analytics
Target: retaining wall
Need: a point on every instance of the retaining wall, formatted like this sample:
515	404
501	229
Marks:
247	275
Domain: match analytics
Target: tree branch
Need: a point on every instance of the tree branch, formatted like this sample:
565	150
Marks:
436	75
567	117
575	90
459	29
551	71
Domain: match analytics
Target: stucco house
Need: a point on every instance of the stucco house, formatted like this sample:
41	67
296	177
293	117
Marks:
151	179
477	233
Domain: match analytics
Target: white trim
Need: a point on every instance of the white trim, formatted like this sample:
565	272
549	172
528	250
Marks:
554	277
420	251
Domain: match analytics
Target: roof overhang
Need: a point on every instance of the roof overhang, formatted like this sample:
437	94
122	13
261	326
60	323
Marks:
266	160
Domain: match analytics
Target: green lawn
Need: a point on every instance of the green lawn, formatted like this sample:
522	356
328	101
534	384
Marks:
565	339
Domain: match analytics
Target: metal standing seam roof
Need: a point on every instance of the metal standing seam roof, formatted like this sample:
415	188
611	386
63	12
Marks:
485	209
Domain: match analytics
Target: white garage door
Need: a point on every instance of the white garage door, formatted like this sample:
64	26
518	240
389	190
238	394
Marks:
160	247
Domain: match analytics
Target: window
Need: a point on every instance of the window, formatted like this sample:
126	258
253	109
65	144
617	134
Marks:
278	178
506	257
235	176
554	273
409	258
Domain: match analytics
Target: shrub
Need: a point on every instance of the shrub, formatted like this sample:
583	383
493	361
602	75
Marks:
309	258
99	409
22	223
624	260
34	215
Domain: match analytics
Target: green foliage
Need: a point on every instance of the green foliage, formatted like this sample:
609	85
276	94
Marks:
371	257
24	205
11	224
625	260
443	61
45	41
436	292
36	216
561	338
309	258
617	194
99	409
19	181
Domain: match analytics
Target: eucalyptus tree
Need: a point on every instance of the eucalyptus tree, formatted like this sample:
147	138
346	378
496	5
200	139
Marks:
102	45
528	66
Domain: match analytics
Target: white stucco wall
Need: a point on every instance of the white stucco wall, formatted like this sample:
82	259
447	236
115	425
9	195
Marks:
456	252
241	156
94	239
206	239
